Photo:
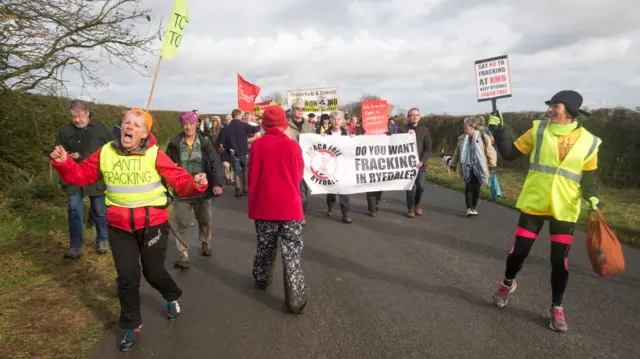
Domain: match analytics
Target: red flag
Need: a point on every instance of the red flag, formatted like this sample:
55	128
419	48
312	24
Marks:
247	94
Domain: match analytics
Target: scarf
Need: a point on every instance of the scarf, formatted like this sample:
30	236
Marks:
562	130
472	160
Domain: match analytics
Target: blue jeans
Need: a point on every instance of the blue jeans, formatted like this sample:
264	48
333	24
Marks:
75	211
240	165
415	194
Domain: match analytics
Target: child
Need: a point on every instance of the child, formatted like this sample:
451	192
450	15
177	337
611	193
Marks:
275	172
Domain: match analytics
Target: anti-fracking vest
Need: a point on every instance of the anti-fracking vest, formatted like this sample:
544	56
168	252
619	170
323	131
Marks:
132	181
551	183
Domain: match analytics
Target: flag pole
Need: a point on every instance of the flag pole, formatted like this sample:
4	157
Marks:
155	77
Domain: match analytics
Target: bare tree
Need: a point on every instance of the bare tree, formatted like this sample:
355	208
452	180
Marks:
43	39
275	96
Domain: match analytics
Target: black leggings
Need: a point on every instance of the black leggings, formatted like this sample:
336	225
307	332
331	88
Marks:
472	192
529	227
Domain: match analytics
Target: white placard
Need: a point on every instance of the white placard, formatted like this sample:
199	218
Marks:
493	78
317	100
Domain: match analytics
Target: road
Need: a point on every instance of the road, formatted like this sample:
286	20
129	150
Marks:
389	287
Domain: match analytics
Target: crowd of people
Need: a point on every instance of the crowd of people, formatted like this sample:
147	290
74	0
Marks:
131	184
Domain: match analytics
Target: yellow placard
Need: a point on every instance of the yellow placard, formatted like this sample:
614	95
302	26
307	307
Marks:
173	37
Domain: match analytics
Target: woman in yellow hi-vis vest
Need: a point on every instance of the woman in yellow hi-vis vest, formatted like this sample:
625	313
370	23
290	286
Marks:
133	169
563	159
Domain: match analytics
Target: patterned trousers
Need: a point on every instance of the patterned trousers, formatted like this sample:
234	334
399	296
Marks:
290	234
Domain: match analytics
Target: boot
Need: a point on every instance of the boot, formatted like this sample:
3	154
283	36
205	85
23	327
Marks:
295	302
264	284
206	250
345	217
102	247
183	262
245	183
238	183
74	253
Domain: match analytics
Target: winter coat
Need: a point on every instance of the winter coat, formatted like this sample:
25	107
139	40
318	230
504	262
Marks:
487	151
89	172
293	132
276	168
423	140
211	165
84	141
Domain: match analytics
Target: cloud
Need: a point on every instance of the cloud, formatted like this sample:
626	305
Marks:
411	52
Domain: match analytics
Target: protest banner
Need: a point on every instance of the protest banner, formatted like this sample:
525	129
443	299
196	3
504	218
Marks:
247	94
259	107
493	78
345	164
172	38
316	100
374	117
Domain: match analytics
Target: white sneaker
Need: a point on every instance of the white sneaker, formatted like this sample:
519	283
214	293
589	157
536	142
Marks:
474	212
469	212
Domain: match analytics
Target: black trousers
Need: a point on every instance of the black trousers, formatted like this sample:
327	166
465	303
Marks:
373	198
129	249
472	191
344	201
529	227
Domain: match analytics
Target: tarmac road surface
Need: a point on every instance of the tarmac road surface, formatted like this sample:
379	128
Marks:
388	287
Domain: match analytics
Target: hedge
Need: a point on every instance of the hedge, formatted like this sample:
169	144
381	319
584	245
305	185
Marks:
619	129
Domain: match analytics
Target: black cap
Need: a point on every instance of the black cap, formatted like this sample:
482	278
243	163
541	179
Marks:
571	101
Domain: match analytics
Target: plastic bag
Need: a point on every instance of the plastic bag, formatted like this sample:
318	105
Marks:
604	248
494	185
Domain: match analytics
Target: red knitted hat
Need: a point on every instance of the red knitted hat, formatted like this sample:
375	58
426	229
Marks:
274	116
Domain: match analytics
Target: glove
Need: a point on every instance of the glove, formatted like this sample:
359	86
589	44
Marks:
495	120
595	203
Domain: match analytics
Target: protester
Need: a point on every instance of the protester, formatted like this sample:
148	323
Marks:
392	126
80	138
337	129
478	159
563	163
234	140
137	213
298	126
194	153
423	140
358	128
225	157
324	124
275	172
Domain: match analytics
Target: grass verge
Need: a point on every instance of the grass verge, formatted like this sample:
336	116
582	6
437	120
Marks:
621	206
51	307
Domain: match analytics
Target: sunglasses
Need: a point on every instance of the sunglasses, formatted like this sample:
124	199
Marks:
299	108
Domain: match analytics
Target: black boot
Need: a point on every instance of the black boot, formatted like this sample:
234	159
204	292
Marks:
295	301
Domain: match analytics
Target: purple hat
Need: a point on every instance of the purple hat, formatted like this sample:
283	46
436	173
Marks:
189	117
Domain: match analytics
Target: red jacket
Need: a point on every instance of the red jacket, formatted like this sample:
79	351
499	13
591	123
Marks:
276	169
88	171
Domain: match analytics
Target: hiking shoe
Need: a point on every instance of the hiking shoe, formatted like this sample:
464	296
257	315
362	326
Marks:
127	340
182	263
346	219
411	214
557	322
500	298
73	253
102	247
418	210
173	310
206	249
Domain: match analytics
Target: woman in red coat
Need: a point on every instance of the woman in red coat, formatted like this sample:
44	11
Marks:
275	172
134	171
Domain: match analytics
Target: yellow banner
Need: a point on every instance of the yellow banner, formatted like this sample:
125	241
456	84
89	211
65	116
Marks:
177	23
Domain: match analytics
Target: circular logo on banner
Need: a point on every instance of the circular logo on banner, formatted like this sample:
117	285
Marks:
322	102
326	163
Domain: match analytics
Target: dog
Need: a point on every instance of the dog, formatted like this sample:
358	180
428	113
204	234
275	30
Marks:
445	160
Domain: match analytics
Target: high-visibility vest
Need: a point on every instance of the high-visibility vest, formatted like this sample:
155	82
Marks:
132	181
554	184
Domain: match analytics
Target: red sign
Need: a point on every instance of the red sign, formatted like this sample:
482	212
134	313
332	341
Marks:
374	117
258	108
247	94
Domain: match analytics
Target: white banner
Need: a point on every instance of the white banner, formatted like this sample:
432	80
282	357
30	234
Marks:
316	100
345	164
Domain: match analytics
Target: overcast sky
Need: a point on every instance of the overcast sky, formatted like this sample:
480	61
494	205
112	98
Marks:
411	52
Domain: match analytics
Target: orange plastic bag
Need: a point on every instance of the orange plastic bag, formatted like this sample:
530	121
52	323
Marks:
604	248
